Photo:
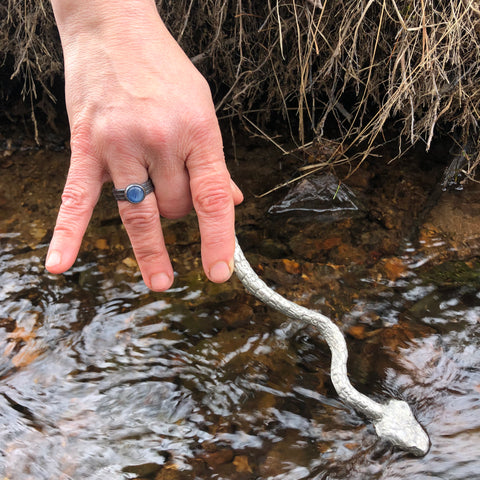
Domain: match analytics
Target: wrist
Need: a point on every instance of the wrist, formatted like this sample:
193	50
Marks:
98	17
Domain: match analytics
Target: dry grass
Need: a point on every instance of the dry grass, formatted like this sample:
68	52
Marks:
358	65
30	53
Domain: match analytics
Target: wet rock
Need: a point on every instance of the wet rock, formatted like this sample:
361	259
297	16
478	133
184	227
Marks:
272	248
291	266
394	268
324	275
386	215
130	262
452	227
38	232
347	254
331	242
428	305
358	331
292	450
454	273
400	335
241	464
239	316
265	401
170	472
199	468
101	244
8	324
360	178
180	232
275	273
145	469
307	248
219	457
322	197
389	245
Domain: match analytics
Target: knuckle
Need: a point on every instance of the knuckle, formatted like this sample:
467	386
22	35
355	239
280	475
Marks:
81	130
158	136
149	256
204	88
65	229
204	125
200	118
75	208
75	200
212	198
80	140
98	137
140	219
108	131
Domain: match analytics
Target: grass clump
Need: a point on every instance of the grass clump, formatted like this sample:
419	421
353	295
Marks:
348	66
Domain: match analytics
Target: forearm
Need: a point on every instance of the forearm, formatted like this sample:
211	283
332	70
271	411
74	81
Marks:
129	18
108	43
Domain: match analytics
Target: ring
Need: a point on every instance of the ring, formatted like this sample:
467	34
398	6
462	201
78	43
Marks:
135	192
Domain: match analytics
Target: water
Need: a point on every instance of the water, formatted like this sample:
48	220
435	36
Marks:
101	378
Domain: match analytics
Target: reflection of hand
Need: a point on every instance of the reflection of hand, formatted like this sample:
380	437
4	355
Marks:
138	108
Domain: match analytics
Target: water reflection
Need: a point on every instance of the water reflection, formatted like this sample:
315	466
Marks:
102	379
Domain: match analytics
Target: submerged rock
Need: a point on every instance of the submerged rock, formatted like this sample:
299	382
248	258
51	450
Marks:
322	196
452	229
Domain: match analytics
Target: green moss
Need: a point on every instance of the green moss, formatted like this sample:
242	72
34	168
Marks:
455	273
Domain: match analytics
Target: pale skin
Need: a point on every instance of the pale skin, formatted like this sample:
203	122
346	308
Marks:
138	108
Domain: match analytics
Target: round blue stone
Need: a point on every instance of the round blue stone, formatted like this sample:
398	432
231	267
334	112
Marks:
134	193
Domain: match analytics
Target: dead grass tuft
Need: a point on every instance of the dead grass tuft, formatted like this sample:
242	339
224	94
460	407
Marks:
355	64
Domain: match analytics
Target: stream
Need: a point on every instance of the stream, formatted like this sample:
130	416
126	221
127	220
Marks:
103	379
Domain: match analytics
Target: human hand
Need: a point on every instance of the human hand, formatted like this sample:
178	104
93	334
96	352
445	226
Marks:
138	108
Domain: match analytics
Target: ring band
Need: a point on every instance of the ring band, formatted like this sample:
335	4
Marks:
135	192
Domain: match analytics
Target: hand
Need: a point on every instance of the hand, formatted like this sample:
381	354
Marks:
138	108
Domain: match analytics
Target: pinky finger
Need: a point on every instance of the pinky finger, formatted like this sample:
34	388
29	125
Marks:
236	193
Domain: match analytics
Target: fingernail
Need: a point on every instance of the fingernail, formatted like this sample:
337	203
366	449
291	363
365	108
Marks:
160	282
220	272
53	259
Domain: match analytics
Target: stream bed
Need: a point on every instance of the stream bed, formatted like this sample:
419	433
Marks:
102	379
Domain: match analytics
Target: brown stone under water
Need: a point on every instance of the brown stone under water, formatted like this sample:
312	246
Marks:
335	267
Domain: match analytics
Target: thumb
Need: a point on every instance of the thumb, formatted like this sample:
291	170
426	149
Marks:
81	192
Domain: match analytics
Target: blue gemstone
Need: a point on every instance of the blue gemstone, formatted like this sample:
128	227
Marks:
134	193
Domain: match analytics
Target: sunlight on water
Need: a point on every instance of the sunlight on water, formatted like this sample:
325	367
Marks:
102	379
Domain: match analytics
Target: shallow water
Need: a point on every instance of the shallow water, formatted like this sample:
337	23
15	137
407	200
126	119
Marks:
101	378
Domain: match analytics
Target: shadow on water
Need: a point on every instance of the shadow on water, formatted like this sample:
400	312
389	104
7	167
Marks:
102	379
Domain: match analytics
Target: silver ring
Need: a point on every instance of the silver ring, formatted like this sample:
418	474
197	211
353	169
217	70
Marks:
135	192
